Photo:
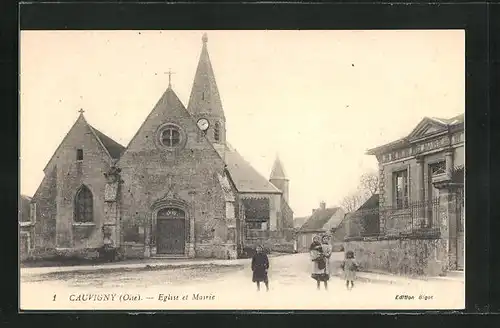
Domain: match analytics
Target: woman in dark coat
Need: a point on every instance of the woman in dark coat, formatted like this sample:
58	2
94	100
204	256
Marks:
260	265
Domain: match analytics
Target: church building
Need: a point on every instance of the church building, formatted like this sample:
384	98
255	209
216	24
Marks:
177	190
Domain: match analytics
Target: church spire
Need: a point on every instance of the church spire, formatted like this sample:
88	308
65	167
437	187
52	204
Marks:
278	172
205	98
279	179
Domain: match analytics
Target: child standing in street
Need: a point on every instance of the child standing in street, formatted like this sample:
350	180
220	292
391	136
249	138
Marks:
350	266
260	265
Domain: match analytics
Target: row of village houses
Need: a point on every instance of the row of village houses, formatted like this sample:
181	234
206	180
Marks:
415	223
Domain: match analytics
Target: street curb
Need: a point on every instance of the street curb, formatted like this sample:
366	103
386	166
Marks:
362	278
379	278
151	266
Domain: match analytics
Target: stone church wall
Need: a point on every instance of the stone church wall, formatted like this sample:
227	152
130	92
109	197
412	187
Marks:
45	225
188	173
55	200
146	182
72	175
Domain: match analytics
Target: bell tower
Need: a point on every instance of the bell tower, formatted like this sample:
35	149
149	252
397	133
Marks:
205	102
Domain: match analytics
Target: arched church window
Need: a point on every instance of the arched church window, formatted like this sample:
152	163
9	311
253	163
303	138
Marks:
170	137
84	205
217	131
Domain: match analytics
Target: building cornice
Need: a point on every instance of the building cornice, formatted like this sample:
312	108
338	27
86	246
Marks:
421	147
407	142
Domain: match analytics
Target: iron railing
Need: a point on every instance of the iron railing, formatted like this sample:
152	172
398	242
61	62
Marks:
460	206
416	219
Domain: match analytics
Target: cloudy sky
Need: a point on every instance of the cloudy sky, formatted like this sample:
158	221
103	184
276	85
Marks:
318	98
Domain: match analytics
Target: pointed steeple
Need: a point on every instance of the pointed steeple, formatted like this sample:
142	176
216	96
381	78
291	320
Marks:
205	98
278	172
278	178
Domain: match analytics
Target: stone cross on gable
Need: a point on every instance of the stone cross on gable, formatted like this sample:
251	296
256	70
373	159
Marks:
169	77
81	111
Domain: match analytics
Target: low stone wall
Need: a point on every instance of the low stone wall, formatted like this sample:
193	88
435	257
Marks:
272	245
401	256
218	251
70	254
285	247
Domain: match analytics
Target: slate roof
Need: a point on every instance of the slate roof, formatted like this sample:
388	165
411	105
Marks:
244	176
113	147
370	208
336	221
319	218
371	203
298	222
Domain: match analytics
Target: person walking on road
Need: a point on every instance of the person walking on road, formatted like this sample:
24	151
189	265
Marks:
260	265
320	255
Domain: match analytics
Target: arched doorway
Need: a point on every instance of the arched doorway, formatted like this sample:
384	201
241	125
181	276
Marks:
170	231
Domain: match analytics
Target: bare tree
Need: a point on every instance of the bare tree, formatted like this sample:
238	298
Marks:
369	184
351	202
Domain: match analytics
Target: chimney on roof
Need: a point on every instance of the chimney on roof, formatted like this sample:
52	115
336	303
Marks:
322	205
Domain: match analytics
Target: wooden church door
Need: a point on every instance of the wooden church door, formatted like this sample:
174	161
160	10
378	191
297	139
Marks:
171	232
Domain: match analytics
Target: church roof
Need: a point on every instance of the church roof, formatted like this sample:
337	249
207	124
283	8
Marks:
205	97
114	148
244	176
278	172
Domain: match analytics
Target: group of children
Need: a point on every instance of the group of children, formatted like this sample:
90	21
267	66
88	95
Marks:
320	252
